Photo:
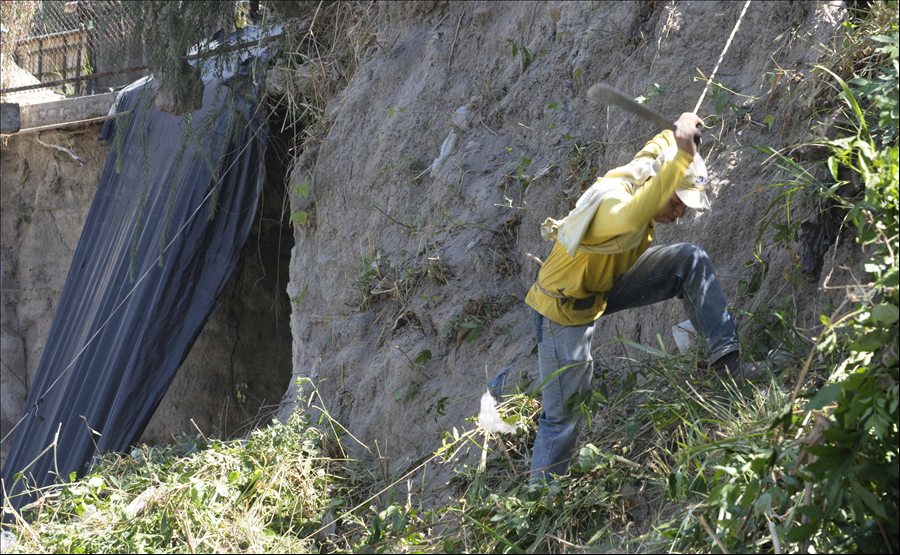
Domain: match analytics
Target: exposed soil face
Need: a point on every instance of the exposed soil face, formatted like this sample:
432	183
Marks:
395	261
45	196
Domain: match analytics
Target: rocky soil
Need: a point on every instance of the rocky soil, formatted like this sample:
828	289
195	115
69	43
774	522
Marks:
396	261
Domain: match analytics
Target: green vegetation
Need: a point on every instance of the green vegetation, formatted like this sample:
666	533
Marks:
527	55
582	168
300	217
399	279
652	91
407	164
265	493
475	315
25	212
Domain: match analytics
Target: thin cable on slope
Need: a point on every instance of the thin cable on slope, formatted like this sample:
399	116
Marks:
722	56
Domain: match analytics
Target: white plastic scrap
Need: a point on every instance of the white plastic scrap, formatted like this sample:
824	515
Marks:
489	418
460	116
542	172
685	336
458	119
446	149
7	541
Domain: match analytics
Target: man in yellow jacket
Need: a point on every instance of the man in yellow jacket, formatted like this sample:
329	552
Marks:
602	264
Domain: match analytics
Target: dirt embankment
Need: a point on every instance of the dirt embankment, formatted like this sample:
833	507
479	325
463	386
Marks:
397	263
44	200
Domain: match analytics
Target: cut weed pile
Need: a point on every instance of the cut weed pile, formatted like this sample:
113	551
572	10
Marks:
663	463
279	491
252	495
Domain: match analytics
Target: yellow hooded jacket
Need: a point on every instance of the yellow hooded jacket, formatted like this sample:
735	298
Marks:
586	278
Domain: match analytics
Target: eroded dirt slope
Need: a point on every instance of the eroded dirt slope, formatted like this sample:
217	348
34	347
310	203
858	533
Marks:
44	200
395	261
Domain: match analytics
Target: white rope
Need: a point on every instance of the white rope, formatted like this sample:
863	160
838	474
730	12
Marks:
721	56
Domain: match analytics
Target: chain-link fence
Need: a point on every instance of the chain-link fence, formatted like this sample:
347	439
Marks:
73	48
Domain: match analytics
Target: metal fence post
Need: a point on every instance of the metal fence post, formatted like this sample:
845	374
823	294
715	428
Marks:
65	63
40	60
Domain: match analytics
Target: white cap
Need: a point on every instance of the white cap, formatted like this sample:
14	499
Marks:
692	189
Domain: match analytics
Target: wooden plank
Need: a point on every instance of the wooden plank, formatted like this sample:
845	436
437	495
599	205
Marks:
40	71
27	40
78	66
70	123
48	49
65	68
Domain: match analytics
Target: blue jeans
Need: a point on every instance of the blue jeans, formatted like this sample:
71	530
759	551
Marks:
679	270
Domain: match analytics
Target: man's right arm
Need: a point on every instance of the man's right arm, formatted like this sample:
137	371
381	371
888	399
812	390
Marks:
656	145
620	216
617	217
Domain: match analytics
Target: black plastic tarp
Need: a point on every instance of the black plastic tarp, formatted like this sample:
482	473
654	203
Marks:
121	332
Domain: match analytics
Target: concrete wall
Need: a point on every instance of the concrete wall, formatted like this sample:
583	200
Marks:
69	109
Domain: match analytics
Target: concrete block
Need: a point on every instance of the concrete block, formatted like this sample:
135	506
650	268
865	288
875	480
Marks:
10	117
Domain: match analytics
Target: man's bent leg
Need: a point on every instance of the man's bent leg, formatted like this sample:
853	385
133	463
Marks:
680	270
567	348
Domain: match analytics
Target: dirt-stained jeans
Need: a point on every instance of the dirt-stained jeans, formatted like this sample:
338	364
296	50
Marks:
680	270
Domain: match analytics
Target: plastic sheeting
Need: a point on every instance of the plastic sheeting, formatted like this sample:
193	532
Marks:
116	343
